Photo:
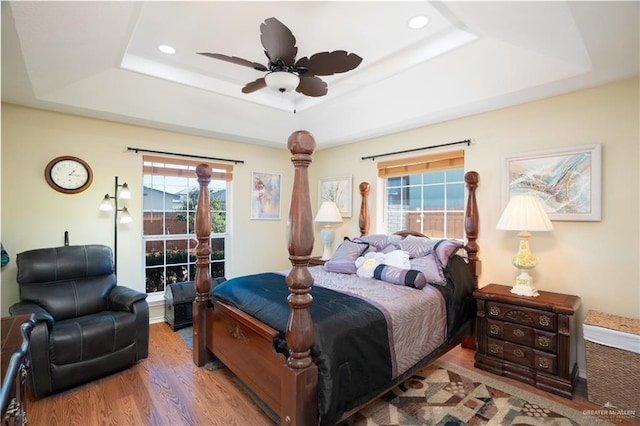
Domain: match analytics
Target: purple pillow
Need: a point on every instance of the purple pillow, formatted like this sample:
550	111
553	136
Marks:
417	246
341	266
399	276
349	250
445	249
430	267
343	260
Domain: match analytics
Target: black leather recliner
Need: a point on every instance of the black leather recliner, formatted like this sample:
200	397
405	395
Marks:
87	325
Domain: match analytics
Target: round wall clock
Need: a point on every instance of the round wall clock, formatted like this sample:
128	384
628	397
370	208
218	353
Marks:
68	174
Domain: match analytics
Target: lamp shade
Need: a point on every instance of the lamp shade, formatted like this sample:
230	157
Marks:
328	212
125	193
282	81
524	213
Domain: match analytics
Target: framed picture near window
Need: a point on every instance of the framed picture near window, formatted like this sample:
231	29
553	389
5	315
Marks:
265	195
338	190
567	181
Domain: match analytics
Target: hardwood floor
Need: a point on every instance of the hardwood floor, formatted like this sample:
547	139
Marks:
168	389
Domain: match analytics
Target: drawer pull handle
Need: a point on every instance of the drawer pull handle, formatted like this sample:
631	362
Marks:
544	321
494	311
494	329
518	333
519	353
544	341
494	349
543	363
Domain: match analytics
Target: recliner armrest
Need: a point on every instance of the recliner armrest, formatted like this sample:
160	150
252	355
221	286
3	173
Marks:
32	308
122	298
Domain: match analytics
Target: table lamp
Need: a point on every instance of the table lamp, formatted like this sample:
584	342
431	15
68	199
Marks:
524	213
328	214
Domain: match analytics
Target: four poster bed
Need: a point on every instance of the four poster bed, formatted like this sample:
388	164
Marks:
315	354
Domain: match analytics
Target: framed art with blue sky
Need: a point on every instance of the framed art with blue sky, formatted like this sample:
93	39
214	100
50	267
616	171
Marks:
568	181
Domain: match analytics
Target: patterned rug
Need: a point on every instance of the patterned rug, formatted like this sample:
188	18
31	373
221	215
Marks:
447	394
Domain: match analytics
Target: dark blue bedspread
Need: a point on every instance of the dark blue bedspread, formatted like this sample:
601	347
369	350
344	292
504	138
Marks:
351	345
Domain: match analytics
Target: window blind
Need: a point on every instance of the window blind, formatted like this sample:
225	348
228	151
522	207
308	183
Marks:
184	168
421	164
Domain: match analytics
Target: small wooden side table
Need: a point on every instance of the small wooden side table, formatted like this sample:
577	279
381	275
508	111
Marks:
15	363
530	339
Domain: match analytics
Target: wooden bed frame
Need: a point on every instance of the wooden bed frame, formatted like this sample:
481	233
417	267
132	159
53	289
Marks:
244	344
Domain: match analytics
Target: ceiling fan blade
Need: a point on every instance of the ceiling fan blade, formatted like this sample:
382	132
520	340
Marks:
329	63
312	86
278	41
235	60
254	86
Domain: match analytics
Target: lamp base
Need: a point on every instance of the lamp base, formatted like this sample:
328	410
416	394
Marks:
326	236
524	285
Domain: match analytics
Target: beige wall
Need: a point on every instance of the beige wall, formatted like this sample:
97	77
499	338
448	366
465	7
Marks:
597	261
34	215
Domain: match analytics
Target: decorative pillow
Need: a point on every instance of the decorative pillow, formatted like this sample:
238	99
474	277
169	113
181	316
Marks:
393	275
349	250
340	266
445	249
417	246
430	267
379	241
397	258
343	260
367	264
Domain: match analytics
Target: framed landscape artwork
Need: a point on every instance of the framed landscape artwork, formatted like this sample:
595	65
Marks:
265	196
337	189
567	181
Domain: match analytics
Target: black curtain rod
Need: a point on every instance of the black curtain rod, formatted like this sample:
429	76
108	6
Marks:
373	157
184	155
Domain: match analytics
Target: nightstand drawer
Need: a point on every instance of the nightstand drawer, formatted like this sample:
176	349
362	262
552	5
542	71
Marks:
545	362
511	352
521	334
526	316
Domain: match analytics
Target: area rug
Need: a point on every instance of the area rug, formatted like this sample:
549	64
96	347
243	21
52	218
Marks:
186	334
447	394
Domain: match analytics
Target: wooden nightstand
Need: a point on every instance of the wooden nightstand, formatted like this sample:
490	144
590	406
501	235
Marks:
530	339
315	261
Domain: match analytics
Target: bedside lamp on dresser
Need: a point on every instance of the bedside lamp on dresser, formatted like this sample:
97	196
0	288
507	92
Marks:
524	213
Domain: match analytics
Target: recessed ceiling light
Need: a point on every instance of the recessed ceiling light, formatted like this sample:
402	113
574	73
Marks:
418	22
165	48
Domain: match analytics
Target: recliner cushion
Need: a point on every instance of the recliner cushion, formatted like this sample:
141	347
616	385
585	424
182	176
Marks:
91	336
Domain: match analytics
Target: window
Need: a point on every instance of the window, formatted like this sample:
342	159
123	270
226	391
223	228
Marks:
171	189
425	194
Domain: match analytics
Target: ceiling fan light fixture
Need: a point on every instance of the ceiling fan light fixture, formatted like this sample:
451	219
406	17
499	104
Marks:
282	81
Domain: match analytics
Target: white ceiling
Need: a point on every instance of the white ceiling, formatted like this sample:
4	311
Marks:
99	59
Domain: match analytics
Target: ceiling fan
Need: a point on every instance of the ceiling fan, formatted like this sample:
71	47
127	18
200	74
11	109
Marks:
284	72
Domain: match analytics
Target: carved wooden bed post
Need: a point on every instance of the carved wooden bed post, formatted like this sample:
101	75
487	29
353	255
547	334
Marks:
201	354
299	397
471	223
363	220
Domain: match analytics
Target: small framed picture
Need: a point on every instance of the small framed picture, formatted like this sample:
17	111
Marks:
566	180
337	189
265	195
